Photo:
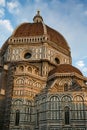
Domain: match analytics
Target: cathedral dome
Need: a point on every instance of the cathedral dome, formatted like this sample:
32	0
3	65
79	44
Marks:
65	68
38	28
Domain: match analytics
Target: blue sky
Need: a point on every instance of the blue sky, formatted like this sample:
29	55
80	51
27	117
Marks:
69	17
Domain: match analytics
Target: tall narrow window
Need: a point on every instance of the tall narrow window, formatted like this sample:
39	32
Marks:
29	114
37	117
57	60
54	108
65	87
67	115
79	108
17	118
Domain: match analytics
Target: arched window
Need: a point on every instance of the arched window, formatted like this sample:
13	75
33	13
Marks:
54	107
21	68
29	69
37	121
28	114
66	98
79	107
36	71
17	117
20	81
18	102
65	87
57	60
67	115
43	109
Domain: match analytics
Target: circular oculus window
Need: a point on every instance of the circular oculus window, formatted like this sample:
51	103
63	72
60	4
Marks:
27	55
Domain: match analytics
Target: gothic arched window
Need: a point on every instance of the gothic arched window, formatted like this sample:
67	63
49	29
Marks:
43	109
67	115
66	98
18	102
37	121
17	117
28	114
79	107
54	107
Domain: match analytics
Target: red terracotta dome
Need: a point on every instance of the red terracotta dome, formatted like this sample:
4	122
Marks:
38	28
65	68
29	29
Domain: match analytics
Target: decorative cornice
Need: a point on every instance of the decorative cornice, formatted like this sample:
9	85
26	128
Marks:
73	74
29	39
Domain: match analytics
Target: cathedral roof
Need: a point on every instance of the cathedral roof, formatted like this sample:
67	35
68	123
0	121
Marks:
38	28
65	68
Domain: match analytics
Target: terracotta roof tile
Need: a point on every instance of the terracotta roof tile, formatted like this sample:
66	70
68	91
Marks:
57	38
29	29
64	68
37	29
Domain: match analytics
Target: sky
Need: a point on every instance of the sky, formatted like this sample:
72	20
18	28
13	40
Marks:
69	17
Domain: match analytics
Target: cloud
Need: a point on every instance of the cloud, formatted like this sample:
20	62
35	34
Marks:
84	69
6	24
2	2
71	22
2	13
37	1
6	30
67	17
80	64
13	6
85	12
